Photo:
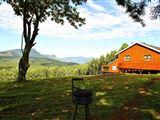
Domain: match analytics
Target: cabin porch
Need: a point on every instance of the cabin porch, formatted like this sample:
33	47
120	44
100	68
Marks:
139	71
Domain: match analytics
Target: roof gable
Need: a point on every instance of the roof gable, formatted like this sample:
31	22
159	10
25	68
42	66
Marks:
112	62
156	49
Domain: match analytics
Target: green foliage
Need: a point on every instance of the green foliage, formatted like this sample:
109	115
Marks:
136	9
124	45
110	56
101	60
93	67
9	73
34	11
57	71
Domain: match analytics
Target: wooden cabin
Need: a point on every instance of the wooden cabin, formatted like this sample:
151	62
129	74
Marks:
137	58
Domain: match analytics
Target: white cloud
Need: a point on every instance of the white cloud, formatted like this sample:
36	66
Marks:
99	26
103	25
8	20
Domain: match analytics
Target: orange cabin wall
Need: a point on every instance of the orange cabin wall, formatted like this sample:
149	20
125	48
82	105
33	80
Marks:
137	61
114	63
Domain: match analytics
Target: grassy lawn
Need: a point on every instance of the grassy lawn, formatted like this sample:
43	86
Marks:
136	97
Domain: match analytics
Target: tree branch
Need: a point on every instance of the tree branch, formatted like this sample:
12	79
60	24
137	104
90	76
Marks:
35	31
33	44
22	44
25	25
29	27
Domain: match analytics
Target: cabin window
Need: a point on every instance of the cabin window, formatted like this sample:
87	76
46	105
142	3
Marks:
114	67
127	58
147	57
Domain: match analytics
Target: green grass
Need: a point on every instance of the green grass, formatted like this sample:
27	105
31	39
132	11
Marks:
50	99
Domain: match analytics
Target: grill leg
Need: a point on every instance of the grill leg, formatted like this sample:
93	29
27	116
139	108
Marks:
87	112
75	112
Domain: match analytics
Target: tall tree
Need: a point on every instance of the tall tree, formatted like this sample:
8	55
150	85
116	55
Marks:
101	60
93	67
124	45
111	56
35	12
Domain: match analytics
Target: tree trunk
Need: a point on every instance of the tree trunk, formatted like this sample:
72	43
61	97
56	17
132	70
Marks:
24	64
29	43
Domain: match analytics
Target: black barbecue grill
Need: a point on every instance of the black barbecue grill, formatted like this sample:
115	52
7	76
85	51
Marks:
81	97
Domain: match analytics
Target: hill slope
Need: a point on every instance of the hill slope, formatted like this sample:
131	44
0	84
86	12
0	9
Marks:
16	53
11	57
34	61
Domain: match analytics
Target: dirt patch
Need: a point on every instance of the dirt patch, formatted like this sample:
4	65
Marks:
129	111
158	78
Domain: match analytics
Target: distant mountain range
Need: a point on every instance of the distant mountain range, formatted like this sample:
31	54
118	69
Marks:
36	57
78	59
17	53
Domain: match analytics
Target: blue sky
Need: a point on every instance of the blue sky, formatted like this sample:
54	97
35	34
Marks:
107	28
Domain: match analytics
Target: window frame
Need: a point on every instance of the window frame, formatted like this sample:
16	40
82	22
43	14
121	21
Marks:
127	58
147	57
